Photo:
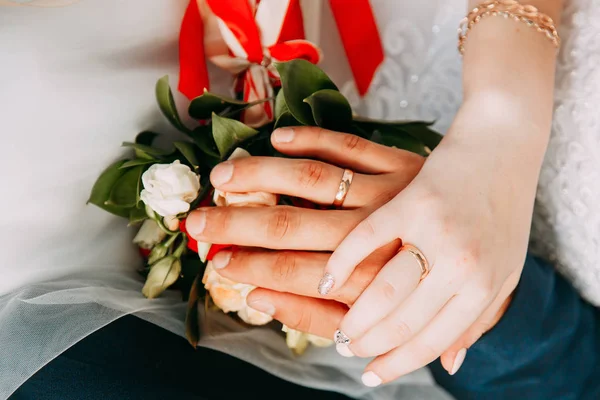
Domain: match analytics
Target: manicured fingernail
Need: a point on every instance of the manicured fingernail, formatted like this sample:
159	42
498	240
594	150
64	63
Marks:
221	259
458	361
262	306
341	338
371	379
221	174
284	135
344	350
326	284
195	223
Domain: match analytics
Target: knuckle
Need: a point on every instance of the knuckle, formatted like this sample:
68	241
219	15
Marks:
483	288
389	290
354	143
428	351
320	133
284	266
281	223
366	229
466	265
301	321
310	173
218	222
401	331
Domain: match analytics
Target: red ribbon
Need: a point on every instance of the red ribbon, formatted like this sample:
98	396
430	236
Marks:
354	18
360	36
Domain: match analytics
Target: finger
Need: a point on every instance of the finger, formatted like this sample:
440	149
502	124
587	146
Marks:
343	149
452	321
406	321
312	180
372	233
398	278
278	227
306	314
453	358
295	271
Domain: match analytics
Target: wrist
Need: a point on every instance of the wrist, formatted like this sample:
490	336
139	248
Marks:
495	121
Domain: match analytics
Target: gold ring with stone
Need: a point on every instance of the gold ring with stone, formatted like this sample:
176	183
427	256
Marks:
343	188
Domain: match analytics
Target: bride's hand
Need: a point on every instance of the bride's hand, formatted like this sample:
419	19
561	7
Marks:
387	171
468	211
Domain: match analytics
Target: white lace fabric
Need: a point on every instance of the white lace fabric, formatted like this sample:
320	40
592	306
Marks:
76	81
566	225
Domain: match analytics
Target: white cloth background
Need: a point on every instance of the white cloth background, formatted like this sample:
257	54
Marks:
76	82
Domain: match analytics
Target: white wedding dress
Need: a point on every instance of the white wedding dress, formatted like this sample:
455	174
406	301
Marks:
76	81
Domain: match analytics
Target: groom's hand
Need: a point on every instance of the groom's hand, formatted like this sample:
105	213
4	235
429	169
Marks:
289	278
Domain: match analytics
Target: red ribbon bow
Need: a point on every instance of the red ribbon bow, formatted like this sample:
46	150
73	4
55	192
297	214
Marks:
244	36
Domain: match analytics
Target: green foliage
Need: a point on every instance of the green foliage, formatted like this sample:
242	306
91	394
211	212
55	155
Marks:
228	133
202	107
299	80
330	110
166	103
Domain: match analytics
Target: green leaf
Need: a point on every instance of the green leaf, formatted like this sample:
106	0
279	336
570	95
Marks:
126	191
164	96
192	319
203	138
188	151
202	107
103	187
286	119
280	105
420	130
136	162
260	144
228	133
137	214
299	80
152	151
330	110
401	140
146	138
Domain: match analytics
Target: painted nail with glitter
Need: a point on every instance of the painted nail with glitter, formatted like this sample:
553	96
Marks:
326	284
340	337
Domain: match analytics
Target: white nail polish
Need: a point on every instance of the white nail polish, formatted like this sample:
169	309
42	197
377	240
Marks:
344	350
371	379
458	361
326	284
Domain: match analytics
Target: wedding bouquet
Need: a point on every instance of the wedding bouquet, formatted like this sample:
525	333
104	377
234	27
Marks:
157	187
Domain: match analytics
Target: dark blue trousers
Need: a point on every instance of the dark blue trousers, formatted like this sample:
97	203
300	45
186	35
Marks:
545	347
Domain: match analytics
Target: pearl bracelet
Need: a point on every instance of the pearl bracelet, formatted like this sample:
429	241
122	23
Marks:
508	9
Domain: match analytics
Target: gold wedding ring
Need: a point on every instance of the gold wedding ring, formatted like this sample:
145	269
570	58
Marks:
419	256
343	188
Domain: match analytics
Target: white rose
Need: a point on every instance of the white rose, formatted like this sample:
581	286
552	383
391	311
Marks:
149	235
299	341
231	296
170	188
162	275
